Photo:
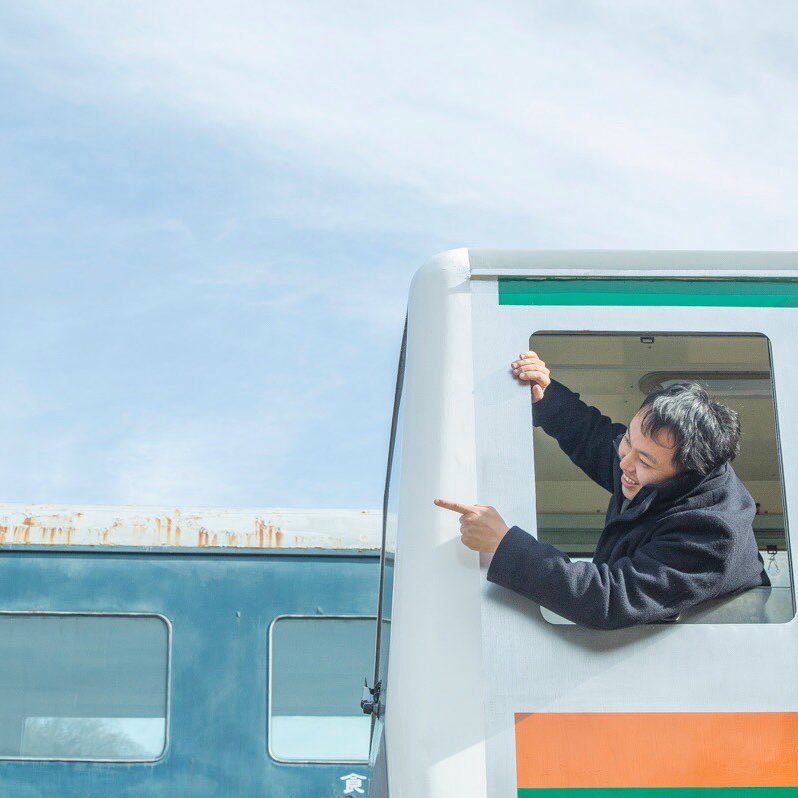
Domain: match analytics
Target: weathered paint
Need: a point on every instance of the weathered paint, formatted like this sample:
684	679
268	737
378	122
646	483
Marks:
220	607
199	527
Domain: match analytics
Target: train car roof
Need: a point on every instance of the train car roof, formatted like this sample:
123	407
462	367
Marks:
632	263
202	528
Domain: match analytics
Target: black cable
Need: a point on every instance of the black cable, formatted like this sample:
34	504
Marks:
397	398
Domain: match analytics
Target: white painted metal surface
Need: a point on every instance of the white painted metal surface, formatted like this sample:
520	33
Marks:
534	666
630	263
188	527
434	725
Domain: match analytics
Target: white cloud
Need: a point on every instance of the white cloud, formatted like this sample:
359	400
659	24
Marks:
206	460
612	123
366	296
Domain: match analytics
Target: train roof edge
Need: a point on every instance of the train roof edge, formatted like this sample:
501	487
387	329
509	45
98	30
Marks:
631	263
146	527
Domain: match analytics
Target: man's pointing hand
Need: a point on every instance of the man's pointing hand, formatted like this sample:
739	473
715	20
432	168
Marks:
481	527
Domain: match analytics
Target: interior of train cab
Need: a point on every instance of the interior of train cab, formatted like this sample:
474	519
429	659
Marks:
614	372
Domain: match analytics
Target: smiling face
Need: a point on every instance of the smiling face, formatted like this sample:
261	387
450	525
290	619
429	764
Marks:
645	460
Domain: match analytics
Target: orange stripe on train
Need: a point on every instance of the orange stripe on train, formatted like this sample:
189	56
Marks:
657	749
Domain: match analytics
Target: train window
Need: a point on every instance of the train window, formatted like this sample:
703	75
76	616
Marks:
614	372
83	687
316	671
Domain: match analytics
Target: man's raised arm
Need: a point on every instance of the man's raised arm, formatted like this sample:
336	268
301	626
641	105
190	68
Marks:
582	431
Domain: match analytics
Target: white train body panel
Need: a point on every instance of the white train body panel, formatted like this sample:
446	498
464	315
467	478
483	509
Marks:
436	738
466	657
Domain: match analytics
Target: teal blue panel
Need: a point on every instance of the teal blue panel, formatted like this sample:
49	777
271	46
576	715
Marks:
649	292
220	607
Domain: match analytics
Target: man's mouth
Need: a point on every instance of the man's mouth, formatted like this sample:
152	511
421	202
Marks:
628	483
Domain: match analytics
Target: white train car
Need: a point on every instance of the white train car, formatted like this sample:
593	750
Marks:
482	694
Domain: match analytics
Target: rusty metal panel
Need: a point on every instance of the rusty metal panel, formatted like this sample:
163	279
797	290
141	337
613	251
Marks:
187	527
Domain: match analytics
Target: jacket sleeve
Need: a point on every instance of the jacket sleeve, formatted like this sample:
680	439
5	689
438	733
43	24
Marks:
665	576
582	432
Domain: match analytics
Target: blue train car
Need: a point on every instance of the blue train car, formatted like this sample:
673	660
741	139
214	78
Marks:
191	653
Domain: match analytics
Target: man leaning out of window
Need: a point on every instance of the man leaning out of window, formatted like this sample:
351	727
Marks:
678	529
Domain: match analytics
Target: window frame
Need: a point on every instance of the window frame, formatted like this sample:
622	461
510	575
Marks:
269	684
168	706
547	614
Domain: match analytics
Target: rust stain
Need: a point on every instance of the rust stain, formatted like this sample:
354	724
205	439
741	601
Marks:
60	528
279	537
268	536
22	533
45	534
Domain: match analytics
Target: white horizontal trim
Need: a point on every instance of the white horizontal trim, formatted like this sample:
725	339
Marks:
710	274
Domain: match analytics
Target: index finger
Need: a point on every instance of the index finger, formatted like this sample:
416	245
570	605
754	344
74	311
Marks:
458	507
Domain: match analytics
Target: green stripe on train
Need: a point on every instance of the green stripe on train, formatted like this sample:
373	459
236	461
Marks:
660	792
649	291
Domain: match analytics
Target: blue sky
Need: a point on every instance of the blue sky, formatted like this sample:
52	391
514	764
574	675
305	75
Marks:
211	212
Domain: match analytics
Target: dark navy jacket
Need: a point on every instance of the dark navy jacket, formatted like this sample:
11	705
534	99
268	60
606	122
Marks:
677	543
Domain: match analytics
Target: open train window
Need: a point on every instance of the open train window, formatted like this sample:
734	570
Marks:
316	670
77	686
614	372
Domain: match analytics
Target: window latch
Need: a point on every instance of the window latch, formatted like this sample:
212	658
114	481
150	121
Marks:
370	701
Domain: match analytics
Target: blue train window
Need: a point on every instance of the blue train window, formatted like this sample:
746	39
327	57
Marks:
316	671
83	686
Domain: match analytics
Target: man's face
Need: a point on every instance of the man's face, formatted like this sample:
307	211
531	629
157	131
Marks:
644	460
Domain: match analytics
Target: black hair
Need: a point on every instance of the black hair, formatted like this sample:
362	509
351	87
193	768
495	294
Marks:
707	433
